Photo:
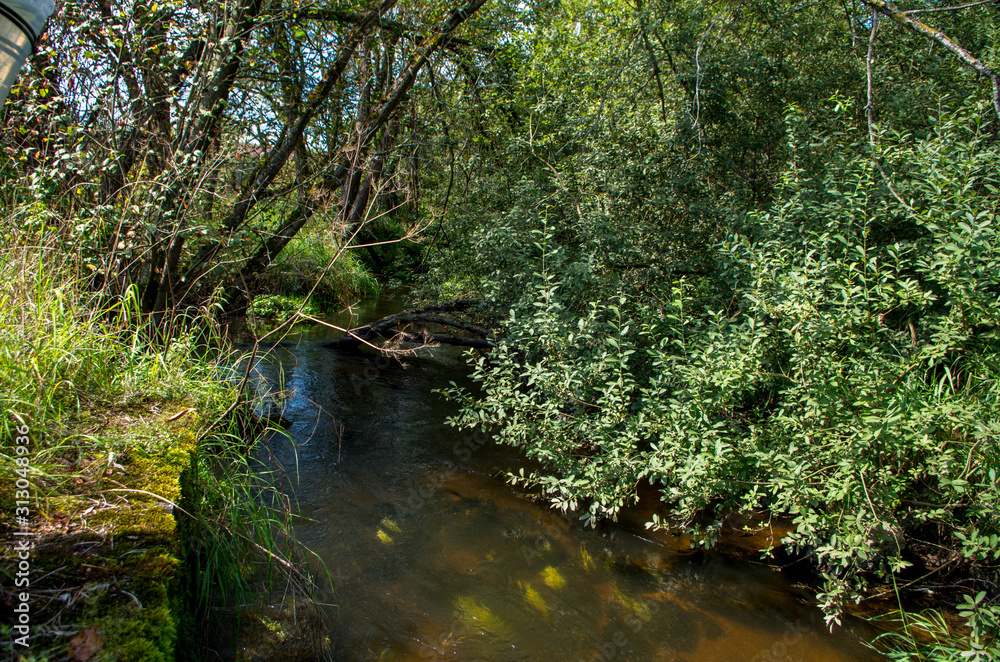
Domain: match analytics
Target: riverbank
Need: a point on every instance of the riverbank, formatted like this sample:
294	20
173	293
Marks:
128	500
107	578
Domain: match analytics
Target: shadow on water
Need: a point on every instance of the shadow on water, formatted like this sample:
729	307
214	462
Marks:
431	557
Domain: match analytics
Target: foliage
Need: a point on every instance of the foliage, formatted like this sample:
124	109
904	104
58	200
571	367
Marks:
838	371
744	252
280	306
315	263
193	141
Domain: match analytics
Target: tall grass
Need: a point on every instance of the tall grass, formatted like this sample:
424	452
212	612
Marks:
927	636
70	355
55	353
66	352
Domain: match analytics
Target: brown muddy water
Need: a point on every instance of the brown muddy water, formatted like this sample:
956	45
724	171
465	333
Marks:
431	556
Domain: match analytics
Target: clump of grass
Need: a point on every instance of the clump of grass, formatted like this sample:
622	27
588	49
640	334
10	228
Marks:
304	261
54	352
66	352
927	636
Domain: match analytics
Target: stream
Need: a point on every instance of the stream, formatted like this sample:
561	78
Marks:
432	556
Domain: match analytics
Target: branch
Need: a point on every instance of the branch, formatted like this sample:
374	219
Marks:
458	324
888	10
424	338
268	169
387	25
414	313
652	60
385	327
404	81
869	62
955	8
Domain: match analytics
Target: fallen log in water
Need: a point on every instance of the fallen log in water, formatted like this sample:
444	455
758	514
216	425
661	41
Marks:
386	329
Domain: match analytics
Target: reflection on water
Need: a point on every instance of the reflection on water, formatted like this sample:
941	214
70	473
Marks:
433	558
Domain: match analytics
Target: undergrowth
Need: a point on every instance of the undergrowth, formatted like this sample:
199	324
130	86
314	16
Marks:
928	636
95	383
306	257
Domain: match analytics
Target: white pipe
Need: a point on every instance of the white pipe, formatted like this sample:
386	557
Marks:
21	21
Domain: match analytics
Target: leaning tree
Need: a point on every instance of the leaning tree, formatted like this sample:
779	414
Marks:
186	143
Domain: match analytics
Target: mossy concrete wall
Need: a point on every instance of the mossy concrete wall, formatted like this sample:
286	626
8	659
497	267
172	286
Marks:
107	579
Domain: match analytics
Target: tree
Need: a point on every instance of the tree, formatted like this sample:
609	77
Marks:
171	100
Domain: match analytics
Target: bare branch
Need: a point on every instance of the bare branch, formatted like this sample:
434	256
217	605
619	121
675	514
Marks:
870	62
954	8
386	25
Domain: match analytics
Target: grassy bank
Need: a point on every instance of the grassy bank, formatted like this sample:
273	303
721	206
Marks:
312	263
142	504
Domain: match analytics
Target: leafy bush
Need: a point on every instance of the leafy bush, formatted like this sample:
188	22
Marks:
275	306
839	370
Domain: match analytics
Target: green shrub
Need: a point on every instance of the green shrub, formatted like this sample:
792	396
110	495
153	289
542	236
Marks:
313	260
840	369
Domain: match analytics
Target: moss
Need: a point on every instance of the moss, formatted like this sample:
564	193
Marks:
109	543
142	635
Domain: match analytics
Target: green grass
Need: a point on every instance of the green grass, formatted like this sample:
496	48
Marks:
96	385
305	260
928	636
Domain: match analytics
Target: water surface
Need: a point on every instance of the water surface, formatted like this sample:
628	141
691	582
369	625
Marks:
433	557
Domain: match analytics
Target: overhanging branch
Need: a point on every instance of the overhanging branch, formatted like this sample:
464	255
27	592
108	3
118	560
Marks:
893	13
